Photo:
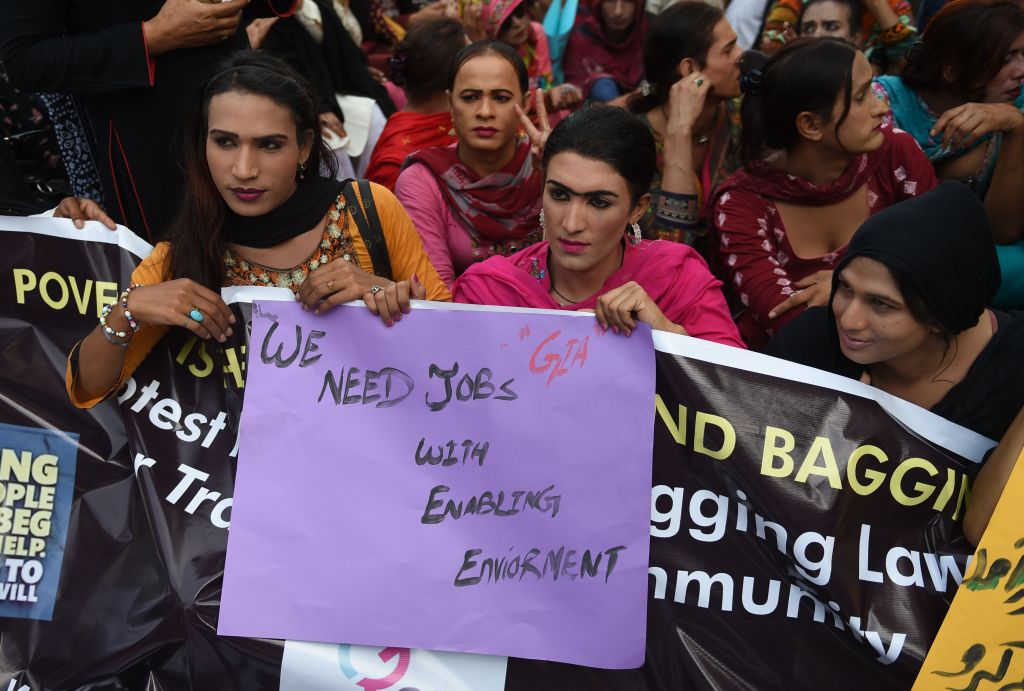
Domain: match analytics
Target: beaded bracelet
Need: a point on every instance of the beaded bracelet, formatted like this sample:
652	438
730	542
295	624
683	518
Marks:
111	334
132	322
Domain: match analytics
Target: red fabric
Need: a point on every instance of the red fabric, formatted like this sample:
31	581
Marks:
150	62
404	134
672	274
591	56
502	206
758	258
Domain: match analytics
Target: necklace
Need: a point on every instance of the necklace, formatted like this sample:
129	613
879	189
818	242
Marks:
555	290
551	275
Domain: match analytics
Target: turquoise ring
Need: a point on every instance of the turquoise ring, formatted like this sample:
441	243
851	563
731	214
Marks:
196	315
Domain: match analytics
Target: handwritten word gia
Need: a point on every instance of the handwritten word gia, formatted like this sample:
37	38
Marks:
56	290
555	364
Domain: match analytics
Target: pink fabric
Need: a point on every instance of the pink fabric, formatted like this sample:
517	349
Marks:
673	274
754	247
448	244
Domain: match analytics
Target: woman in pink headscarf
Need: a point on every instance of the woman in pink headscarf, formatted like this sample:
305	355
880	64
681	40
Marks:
509	22
605	52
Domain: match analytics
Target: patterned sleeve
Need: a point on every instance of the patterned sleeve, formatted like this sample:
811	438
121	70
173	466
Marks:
913	173
754	262
897	39
780	13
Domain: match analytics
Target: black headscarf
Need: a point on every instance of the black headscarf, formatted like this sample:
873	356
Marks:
302	211
941	244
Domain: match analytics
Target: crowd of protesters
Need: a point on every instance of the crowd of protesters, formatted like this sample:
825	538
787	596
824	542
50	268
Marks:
835	182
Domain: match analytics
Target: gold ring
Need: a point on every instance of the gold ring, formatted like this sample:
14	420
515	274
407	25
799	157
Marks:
330	284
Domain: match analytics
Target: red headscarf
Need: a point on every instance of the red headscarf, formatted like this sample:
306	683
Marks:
591	55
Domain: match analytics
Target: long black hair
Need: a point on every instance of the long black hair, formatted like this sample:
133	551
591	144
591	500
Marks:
423	59
610	135
683	30
197	232
491	46
964	47
807	75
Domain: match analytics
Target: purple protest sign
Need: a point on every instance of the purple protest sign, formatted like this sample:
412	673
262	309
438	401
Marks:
473	481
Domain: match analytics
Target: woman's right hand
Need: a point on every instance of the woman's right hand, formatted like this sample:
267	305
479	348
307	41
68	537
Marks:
80	210
538	137
170	304
964	125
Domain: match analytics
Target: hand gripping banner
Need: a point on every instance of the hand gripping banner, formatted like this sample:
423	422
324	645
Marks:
804	529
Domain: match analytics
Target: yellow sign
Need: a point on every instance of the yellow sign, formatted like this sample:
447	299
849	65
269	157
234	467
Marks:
981	643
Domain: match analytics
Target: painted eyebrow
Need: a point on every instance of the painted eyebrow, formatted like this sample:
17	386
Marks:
593	193
480	91
263	138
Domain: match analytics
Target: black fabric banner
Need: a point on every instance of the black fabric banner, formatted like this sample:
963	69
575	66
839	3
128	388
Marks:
802	537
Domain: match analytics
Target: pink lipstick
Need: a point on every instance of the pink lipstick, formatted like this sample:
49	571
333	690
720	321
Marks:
247	194
571	246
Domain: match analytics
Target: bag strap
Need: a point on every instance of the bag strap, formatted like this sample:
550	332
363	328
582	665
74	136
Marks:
371	231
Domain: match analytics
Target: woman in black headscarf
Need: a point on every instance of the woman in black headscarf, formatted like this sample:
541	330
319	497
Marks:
908	313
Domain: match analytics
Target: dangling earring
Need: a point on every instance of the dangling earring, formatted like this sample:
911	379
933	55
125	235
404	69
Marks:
635	237
541	218
302	170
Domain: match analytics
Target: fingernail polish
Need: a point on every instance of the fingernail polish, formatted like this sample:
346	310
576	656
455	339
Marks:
615	329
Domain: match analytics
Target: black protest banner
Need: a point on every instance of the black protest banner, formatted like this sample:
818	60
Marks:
802	538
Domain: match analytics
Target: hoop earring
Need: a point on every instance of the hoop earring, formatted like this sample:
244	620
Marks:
302	170
635	236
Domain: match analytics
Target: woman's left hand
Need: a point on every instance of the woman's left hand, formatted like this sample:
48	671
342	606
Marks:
341	281
814	291
334	283
391	302
80	210
538	137
628	304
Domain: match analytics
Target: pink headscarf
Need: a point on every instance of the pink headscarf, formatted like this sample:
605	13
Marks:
535	51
